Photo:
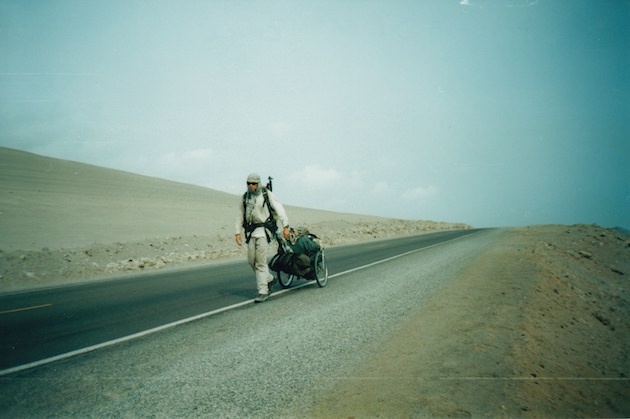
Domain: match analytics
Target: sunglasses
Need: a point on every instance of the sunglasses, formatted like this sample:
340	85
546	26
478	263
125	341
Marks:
252	183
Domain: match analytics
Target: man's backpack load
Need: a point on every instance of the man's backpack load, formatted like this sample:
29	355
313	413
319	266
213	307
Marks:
308	244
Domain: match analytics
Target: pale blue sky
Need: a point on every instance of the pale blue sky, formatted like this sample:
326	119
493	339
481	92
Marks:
487	112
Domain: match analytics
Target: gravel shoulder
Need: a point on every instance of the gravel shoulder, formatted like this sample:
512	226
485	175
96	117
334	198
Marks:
501	323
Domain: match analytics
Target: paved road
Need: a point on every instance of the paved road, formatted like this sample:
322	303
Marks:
45	323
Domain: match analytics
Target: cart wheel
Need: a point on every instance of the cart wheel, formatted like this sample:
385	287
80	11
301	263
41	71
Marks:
321	269
285	280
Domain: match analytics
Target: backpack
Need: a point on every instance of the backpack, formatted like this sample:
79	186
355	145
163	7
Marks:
307	244
269	224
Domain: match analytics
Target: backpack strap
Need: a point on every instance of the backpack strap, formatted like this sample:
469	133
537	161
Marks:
269	224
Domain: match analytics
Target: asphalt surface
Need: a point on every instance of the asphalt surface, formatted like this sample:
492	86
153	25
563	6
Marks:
38	325
275	359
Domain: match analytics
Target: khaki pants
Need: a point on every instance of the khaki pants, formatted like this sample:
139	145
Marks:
257	258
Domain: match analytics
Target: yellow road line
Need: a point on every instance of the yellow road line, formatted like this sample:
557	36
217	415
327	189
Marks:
25	308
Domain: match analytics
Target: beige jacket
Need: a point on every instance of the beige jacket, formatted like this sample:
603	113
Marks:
260	214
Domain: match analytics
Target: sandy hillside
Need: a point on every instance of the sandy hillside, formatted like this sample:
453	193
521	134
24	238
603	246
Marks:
65	221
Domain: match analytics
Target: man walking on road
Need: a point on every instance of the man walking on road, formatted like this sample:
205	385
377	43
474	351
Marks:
260	214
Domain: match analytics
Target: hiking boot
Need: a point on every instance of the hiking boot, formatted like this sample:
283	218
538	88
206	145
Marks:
271	284
261	298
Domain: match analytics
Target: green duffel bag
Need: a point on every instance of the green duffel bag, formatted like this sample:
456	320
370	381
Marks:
307	244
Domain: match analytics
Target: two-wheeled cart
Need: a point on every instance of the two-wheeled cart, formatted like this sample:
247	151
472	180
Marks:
301	258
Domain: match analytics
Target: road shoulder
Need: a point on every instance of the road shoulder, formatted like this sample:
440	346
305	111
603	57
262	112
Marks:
510	336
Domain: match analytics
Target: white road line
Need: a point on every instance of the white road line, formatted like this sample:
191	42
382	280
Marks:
428	377
87	349
120	340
